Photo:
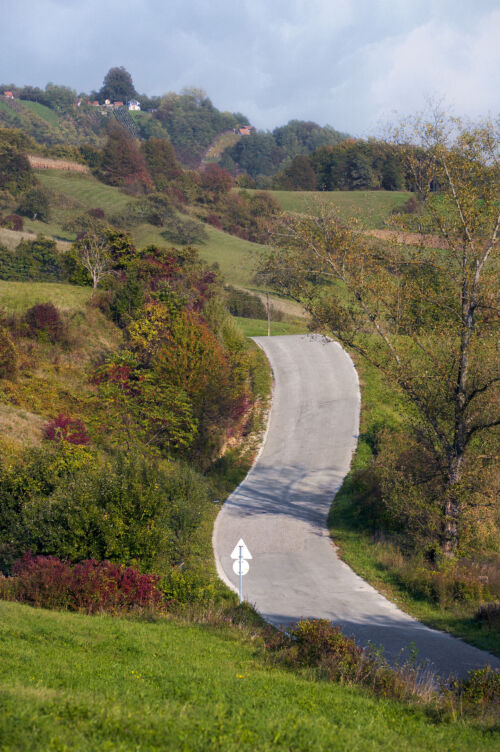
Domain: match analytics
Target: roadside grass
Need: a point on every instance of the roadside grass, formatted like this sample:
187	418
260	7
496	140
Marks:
258	327
377	560
370	208
42	111
19	296
71	681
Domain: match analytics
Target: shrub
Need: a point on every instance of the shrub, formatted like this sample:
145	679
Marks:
91	586
8	355
215	221
97	213
44	321
35	204
36	260
318	640
243	303
489	614
65	428
13	222
481	687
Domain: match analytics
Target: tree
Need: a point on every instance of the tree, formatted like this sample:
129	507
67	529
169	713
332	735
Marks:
162	162
216	182
117	86
93	251
425	317
15	170
35	204
298	176
122	161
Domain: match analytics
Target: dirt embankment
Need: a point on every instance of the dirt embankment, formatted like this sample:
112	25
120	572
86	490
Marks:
46	163
409	238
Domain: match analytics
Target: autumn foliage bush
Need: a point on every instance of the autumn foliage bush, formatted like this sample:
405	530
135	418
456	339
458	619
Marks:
44	321
65	428
13	222
91	586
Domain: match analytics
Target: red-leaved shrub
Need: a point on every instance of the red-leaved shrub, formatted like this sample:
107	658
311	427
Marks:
44	320
97	213
215	221
13	222
65	428
90	586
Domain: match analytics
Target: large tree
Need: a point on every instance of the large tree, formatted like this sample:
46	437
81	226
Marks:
117	86
424	315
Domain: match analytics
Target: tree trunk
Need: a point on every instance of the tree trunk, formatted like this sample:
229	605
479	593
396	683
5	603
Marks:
452	508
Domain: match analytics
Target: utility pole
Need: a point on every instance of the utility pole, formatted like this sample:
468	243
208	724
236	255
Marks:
268	306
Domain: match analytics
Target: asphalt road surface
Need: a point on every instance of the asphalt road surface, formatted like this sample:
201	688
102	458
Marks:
281	508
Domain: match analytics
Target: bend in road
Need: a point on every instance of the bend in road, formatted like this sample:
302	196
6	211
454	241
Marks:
281	510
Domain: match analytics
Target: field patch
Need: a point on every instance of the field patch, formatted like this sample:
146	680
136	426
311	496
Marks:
17	297
370	208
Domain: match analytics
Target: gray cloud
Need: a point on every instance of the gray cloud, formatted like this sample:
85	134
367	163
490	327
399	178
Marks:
349	63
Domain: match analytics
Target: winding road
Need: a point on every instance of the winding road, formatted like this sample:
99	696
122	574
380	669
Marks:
281	508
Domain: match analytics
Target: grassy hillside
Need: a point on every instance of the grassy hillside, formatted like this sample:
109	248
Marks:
130	685
42	111
258	327
234	255
19	296
371	208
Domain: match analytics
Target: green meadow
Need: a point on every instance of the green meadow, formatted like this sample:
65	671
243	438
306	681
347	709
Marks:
75	682
370	208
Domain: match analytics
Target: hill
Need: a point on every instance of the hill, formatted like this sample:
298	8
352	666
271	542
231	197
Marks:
129	684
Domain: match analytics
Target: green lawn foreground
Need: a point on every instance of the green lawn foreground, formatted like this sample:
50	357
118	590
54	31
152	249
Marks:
75	682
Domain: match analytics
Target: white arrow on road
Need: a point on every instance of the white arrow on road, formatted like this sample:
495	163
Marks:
240	551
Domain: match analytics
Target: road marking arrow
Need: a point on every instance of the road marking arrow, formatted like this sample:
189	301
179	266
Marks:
241	551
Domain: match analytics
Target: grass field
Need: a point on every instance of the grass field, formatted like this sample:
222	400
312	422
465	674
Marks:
19	296
42	111
85	189
370	208
74	682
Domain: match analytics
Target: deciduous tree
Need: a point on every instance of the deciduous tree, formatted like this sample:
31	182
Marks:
425	317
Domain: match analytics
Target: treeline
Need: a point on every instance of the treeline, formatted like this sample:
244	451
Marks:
342	165
260	155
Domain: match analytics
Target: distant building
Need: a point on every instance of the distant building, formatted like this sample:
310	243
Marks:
117	104
134	105
8	94
246	130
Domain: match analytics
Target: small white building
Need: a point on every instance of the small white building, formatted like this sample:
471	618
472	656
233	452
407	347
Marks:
134	105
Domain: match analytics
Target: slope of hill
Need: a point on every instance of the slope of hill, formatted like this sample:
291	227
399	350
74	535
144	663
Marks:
164	685
370	208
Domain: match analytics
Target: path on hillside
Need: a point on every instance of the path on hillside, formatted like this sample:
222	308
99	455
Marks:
281	509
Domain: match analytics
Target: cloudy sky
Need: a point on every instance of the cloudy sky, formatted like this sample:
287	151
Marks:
349	63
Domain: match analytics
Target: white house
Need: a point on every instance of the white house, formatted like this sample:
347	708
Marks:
134	105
